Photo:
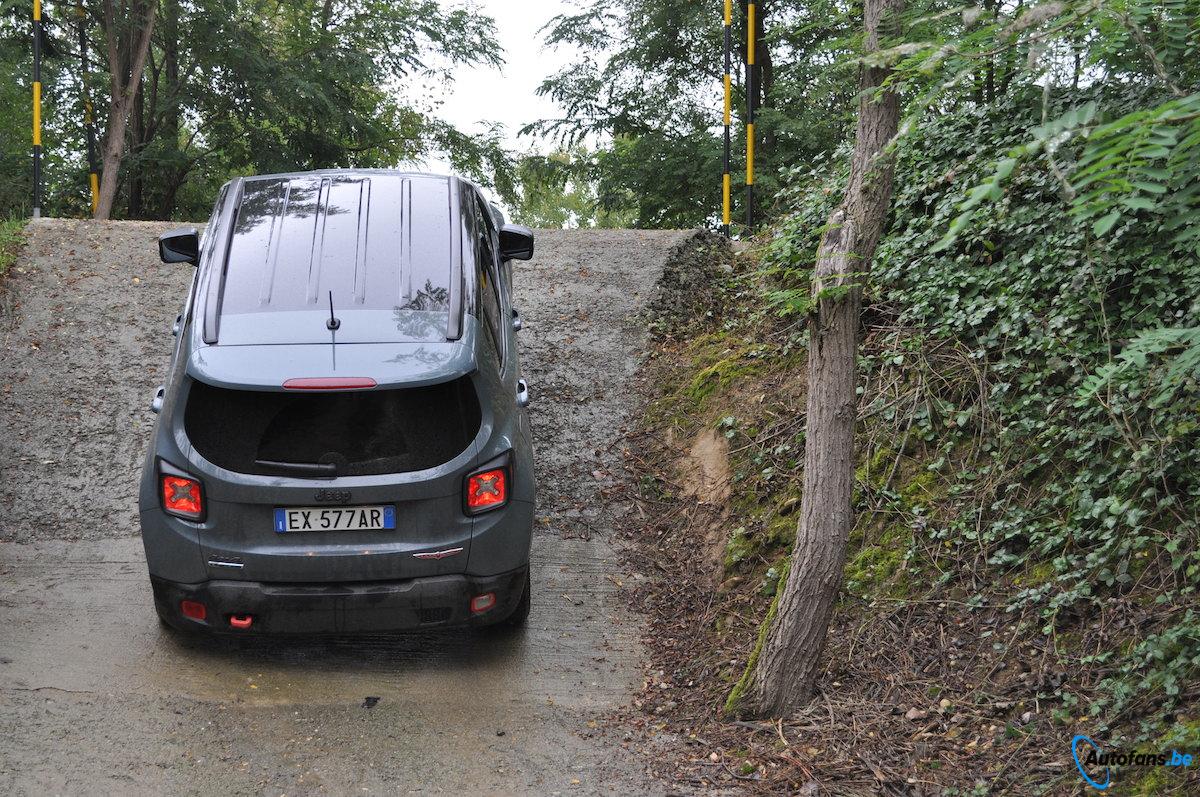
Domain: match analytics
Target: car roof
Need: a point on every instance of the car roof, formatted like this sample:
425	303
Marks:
385	246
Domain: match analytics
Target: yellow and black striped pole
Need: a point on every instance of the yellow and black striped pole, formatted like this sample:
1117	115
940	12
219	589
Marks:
88	124
751	96
726	202
37	108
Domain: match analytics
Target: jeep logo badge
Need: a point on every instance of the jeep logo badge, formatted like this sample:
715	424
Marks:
333	496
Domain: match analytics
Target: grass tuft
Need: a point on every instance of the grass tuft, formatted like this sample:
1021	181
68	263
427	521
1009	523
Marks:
12	238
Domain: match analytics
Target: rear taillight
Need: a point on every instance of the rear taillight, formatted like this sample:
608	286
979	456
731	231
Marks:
182	497
487	490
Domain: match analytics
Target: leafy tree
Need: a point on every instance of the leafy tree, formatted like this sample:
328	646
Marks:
559	190
647	86
15	122
242	87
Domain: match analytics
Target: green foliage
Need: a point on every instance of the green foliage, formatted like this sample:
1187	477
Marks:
1181	365
1143	163
559	190
15	122
1064	395
16	113
255	87
647	83
11	241
1146	162
1042	305
734	365
875	569
790	250
739	548
1095	373
1162	665
660	178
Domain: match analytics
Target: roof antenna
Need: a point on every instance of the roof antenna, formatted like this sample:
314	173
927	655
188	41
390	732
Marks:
333	323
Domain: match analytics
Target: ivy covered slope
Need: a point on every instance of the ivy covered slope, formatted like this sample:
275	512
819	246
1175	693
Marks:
1065	467
1027	546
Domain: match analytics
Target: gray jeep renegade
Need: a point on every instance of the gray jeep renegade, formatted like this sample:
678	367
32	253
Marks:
342	445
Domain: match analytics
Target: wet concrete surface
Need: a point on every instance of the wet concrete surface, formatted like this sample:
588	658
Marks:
95	697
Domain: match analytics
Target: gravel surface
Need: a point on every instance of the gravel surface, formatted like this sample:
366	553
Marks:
85	335
94	697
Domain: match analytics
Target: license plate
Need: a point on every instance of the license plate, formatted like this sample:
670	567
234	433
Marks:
345	518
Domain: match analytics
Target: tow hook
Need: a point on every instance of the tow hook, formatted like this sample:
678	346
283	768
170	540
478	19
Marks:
241	621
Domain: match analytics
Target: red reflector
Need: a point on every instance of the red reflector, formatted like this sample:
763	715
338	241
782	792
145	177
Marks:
193	609
487	490
481	603
182	497
241	620
330	383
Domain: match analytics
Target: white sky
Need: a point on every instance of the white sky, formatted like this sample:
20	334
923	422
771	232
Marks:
507	95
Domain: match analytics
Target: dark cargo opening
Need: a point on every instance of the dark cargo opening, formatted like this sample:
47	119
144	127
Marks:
332	434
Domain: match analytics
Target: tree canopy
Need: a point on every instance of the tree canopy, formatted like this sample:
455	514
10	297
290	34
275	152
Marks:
242	87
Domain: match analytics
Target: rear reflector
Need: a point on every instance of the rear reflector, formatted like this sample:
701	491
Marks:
481	603
331	383
182	497
193	609
487	490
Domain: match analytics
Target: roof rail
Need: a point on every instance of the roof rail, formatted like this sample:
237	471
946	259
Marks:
218	260
454	323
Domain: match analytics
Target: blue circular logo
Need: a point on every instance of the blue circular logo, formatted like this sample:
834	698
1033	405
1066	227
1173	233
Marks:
1079	764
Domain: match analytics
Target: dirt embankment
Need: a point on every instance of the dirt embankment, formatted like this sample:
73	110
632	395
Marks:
84	339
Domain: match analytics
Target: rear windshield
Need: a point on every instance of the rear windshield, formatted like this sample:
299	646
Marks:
332	434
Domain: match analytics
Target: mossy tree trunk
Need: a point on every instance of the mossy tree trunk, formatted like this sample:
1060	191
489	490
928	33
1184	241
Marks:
784	672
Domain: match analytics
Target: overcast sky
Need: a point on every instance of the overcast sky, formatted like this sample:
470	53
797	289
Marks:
508	94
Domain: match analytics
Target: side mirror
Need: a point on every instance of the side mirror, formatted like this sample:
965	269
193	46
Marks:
180	246
516	242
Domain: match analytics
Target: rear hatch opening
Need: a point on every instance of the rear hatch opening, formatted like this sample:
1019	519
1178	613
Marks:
330	434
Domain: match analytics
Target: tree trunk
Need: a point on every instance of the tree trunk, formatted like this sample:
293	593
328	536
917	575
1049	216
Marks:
137	138
174	175
784	674
123	86
765	85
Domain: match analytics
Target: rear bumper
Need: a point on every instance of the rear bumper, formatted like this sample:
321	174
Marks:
362	607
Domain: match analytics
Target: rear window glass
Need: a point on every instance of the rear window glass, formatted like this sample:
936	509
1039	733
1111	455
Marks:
332	434
365	242
489	299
